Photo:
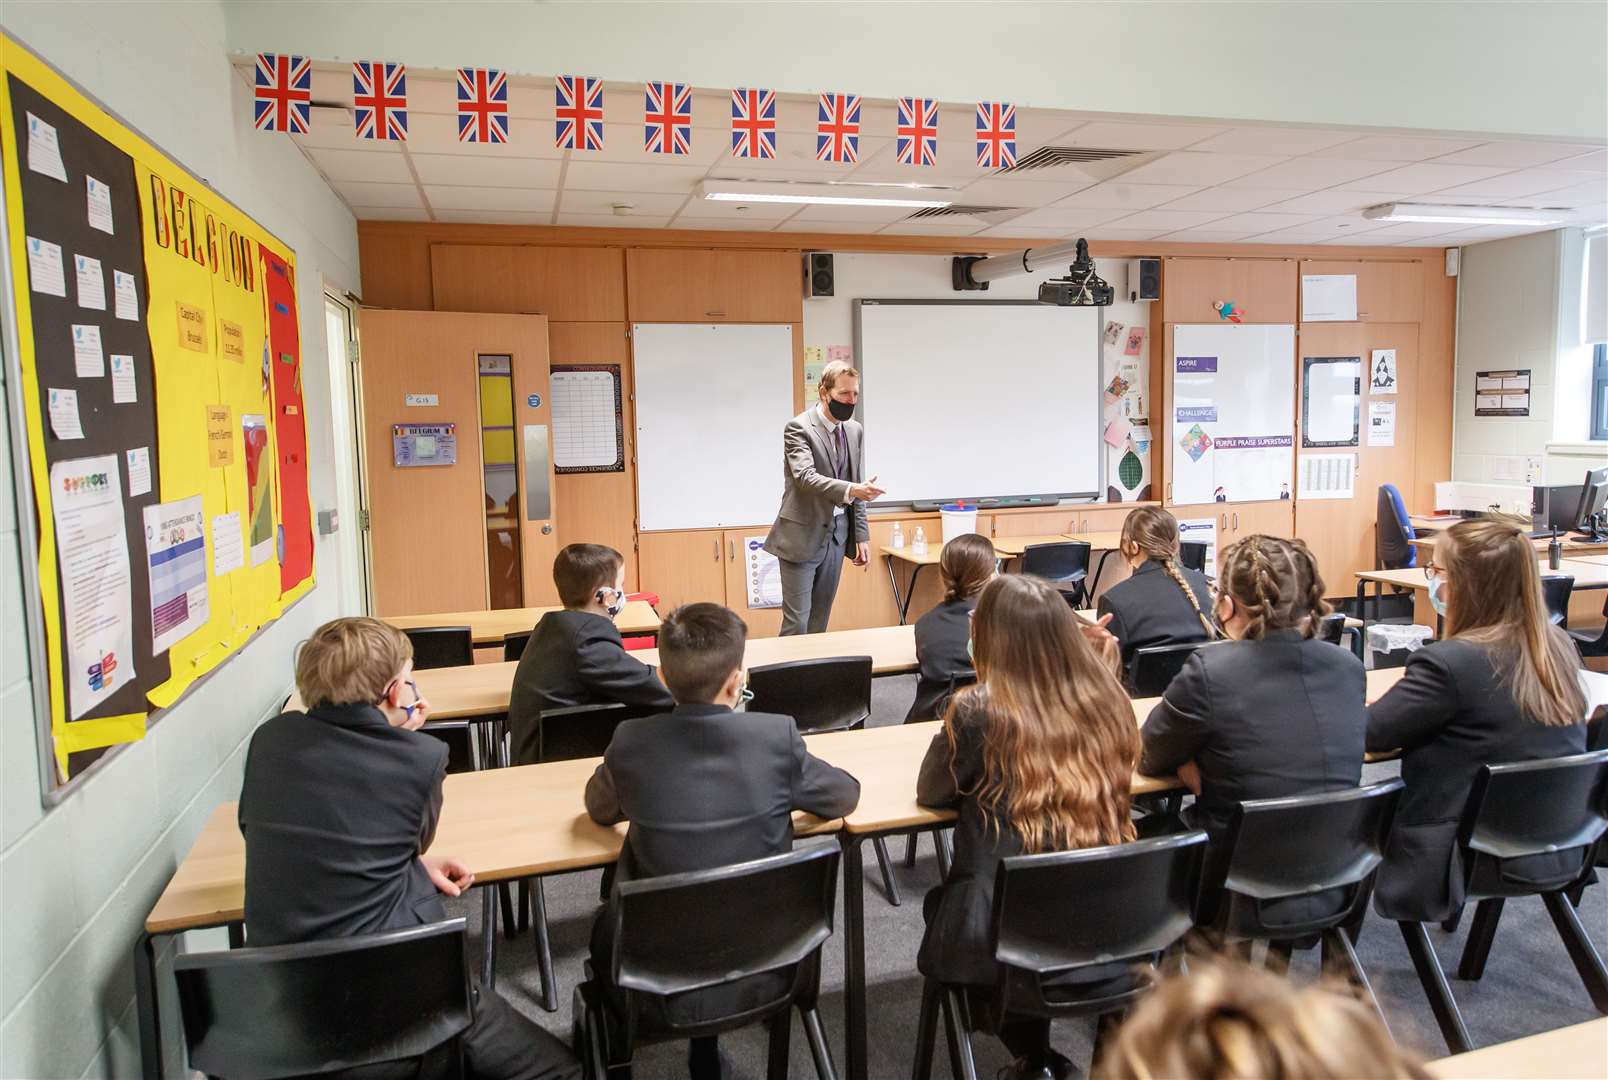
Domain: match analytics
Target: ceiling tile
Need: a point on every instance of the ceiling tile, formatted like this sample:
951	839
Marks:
1231	199
1197	169
1514	184
625	142
858	227
1311	173
765	213
389	213
329	128
392	195
375	166
429	94
1166	219
495	217
1367	238
1116	232
1397	148
1026	232
1003	191
1122	135
1514	155
956	164
1272	140
1206	236
430	133
1262	222
1409	230
1068	217
1287	236
610	221
1425	176
1584	196
941	227
616	176
648	204
1116	195
869	215
1595	163
724	224
477	171
1331	201
456	197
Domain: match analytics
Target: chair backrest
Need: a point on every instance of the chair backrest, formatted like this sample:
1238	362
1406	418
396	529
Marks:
1298	846
1331	627
514	644
692	931
581	731
1152	669
1531	808
831	694
441	646
294	1010
1392	531
1556	590
1068	561
1192	555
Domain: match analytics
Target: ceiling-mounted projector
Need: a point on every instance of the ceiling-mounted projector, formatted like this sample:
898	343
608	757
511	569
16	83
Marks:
1081	287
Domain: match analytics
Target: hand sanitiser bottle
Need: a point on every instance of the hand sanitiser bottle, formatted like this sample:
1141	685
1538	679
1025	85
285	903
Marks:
897	540
919	545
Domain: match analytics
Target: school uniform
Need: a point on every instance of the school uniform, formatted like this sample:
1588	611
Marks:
1451	713
1150	609
575	658
336	808
942	636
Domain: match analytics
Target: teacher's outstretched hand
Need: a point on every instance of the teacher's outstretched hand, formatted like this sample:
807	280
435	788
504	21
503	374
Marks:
824	491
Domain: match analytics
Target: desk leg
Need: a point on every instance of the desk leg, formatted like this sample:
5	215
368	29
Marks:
147	998
488	936
854	954
904	608
1098	570
893	581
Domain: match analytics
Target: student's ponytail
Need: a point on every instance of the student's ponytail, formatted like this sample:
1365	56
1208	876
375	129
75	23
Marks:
1154	532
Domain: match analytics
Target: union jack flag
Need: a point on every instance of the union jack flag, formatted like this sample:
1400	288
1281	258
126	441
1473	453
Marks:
380	92
996	135
916	141
482	105
284	90
753	123
837	128
667	116
578	105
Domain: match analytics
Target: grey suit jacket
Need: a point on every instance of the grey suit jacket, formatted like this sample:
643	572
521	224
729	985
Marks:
811	494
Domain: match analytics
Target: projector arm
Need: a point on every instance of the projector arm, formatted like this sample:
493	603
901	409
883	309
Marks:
972	272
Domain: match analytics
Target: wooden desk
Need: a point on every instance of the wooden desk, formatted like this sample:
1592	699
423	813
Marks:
488	627
1011	547
1433	521
1570	547
1596	560
1577	1052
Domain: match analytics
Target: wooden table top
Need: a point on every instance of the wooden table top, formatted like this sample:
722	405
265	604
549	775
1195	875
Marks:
1589	573
1577	1052
1570	546
1596	560
488	627
1108	540
892	649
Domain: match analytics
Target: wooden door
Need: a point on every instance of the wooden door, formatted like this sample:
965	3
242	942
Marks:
762	622
429	524
683	567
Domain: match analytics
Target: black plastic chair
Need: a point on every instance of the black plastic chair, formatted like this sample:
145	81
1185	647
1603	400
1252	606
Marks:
441	646
1152	669
1293	870
1061	913
1333	629
1192	556
288	1010
1588	645
1064	565
759	923
1555	591
514	645
1530	829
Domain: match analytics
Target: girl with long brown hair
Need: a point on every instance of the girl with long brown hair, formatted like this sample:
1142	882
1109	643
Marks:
1038	756
1163	602
1502	685
966	565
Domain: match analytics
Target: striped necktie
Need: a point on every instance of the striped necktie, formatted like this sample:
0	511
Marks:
842	463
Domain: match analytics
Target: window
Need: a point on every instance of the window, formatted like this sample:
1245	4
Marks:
1599	392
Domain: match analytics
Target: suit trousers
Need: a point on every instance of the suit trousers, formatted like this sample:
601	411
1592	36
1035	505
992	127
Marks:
808	588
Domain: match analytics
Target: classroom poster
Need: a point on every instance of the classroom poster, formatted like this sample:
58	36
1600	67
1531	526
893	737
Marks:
1201	531
1233	408
176	546
764	574
86	496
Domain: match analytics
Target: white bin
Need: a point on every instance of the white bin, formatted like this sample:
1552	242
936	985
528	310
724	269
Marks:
958	520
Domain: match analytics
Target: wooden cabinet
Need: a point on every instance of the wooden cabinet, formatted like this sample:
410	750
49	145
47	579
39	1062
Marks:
762	622
682	567
1238	520
565	284
1061	519
683	285
1102	518
1263	290
1387	292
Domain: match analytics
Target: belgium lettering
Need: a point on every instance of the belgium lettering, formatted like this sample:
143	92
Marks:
190	230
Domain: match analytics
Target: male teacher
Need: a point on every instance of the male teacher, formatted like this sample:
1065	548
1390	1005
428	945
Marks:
822	520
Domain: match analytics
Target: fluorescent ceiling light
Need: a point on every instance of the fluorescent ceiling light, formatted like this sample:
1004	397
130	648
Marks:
913	196
1462	215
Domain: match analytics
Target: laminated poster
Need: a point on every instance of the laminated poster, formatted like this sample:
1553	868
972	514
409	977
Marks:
87	500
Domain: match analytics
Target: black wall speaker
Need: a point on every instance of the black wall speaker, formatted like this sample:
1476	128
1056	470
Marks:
1144	279
818	274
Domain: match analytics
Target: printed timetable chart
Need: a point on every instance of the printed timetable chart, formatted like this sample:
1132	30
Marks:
588	433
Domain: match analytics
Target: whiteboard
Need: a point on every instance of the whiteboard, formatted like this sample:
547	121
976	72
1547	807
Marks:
711	402
971	399
1233	412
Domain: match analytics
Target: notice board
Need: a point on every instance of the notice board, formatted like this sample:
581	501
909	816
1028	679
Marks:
156	381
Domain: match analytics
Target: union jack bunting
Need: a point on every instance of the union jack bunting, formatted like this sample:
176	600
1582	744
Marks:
380	92
482	105
578	106
667	118
996	135
284	92
916	137
837	128
753	123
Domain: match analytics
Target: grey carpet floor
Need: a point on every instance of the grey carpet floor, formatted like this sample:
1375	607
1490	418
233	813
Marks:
1529	985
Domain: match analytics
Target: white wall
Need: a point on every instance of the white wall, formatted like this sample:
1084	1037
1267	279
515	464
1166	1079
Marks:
77	881
1409	64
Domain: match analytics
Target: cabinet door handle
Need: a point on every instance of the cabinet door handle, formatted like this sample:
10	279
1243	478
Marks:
1222	522
715	314
731	550
1236	521
717	550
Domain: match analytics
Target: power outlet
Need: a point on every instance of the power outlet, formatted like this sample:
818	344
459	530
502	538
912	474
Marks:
1534	467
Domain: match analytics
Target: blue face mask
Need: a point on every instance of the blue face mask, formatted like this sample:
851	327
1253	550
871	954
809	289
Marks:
1437	595
969	655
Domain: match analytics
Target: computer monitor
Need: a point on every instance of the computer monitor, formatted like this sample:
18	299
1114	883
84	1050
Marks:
1562	502
1593	501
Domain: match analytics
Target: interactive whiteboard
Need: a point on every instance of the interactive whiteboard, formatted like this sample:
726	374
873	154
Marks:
1233	405
971	399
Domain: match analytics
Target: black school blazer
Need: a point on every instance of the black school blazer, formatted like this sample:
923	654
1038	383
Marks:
1149	609
941	637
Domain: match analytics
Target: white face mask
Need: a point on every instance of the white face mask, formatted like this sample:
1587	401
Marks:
614	606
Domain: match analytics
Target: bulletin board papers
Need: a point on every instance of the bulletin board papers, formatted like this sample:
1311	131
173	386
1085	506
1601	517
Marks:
1382	368
1201	531
1328	297
176	547
1328	476
1502	393
1381	423
1331	393
1233	404
92	549
764	574
588	431
414	445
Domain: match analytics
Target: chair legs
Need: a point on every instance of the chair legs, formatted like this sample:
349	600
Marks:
962	1065
781	1031
1480	935
820	1050
1436	988
885	864
910	851
544	946
505	899
943	840
1586	959
1278	957
1340	959
926	1030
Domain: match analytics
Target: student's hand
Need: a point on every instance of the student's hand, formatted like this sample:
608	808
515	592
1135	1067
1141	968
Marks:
447	874
1189	776
1104	642
421	713
862	553
867	491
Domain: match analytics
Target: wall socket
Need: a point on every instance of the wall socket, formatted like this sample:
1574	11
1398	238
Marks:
1534	468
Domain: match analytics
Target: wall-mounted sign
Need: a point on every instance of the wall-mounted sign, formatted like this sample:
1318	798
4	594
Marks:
534	401
413	445
414	401
1502	393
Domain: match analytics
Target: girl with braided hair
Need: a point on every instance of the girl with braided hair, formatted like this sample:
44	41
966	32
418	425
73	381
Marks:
1271	712
1163	603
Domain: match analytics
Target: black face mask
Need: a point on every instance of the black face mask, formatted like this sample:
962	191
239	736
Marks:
840	410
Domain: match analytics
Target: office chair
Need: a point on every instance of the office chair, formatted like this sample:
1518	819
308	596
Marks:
1588	645
1064	565
514	645
441	646
1392	531
1152	669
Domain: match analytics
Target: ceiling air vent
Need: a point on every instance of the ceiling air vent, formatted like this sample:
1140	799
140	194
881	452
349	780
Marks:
982	213
1050	157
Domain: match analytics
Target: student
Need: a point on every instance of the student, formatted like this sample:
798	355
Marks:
1235	1022
1038	756
1163	603
1502	685
967	564
703	787
575	656
338	807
